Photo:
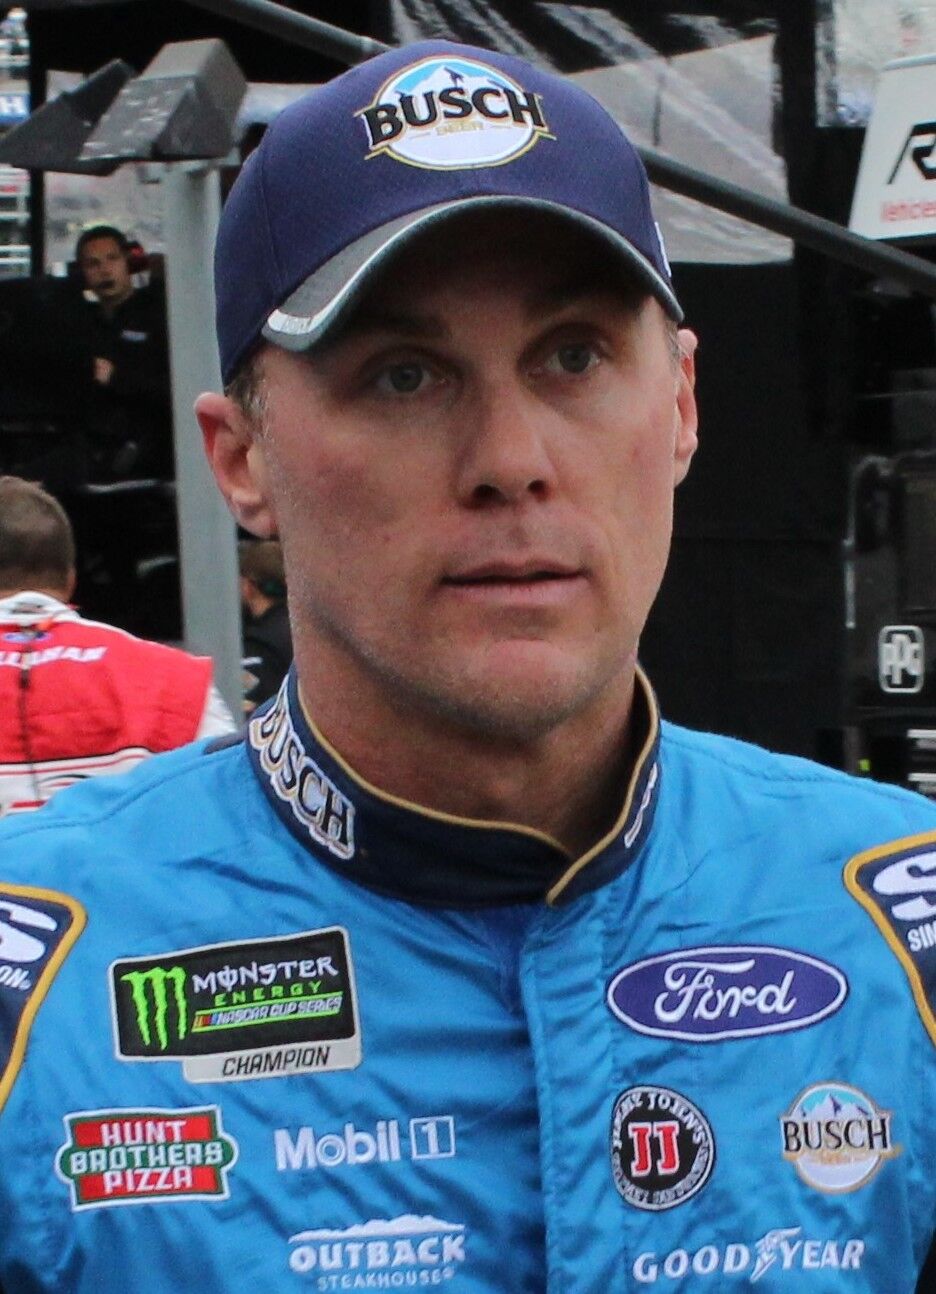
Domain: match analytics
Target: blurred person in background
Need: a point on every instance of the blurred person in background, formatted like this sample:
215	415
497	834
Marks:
129	418
79	698
266	636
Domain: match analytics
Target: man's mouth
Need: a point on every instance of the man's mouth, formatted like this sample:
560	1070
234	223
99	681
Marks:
540	585
495	573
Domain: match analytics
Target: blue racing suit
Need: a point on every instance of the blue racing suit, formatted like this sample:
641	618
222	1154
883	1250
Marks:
264	1028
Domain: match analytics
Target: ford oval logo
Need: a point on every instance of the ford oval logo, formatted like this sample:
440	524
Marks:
734	991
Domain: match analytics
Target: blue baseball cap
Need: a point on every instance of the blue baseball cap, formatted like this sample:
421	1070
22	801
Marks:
353	171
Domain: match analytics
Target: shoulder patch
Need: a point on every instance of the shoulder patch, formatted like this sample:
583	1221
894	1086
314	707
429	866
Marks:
37	930
896	884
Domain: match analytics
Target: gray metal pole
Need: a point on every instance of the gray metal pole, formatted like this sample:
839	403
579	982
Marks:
208	551
297	28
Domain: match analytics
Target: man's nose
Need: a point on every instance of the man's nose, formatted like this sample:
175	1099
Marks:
505	454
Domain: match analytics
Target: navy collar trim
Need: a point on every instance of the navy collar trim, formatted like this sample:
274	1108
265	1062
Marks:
409	852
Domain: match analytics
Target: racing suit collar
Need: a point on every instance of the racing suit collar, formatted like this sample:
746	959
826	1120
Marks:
418	854
28	608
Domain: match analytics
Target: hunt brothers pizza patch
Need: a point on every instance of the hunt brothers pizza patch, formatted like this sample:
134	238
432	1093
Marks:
138	1156
264	1008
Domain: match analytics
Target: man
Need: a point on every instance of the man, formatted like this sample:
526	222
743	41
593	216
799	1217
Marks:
130	427
267	641
78	699
460	969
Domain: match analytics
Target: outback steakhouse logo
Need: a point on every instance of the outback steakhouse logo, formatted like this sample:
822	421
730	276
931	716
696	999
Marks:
662	1148
128	1156
384	1253
262	1008
451	113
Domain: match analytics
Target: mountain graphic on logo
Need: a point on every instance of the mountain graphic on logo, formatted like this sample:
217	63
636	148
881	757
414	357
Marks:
835	1105
407	1225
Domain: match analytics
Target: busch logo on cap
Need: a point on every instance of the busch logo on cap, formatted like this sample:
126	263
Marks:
452	113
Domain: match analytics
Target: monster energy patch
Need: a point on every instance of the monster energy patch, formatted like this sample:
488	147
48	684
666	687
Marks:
264	1008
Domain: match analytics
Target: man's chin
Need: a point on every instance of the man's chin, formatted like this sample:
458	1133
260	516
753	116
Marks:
520	698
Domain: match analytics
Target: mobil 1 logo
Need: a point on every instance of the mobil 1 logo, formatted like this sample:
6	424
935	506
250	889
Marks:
263	1008
662	1148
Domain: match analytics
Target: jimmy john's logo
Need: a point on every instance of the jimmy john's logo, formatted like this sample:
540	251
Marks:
260	1009
132	1156
662	1147
452	113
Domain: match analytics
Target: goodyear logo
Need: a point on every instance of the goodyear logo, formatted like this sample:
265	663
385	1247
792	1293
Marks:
450	114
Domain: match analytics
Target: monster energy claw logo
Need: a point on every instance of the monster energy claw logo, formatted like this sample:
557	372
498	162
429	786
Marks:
162	983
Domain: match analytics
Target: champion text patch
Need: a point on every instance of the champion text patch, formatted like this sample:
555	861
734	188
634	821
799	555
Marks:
896	883
37	930
264	1008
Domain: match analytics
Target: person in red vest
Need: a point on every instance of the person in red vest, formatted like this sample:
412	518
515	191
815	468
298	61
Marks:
79	698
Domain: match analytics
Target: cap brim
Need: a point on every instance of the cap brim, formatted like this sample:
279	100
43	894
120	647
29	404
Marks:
326	297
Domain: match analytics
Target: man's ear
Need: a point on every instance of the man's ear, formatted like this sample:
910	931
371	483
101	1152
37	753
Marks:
235	453
687	415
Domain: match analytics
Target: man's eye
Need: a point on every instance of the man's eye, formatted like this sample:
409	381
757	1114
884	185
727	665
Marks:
402	379
573	357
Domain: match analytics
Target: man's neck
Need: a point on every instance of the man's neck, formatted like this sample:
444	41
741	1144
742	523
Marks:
568	784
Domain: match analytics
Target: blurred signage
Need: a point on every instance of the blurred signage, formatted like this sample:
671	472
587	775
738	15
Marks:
895	195
854	40
14	107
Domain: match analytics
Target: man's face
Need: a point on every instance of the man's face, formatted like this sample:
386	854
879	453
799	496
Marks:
473	485
105	269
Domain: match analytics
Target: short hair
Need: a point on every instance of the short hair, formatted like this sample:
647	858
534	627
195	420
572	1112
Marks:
37	544
246	388
261	562
101	231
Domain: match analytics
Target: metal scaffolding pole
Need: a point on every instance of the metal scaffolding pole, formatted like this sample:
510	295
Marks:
297	29
208	554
